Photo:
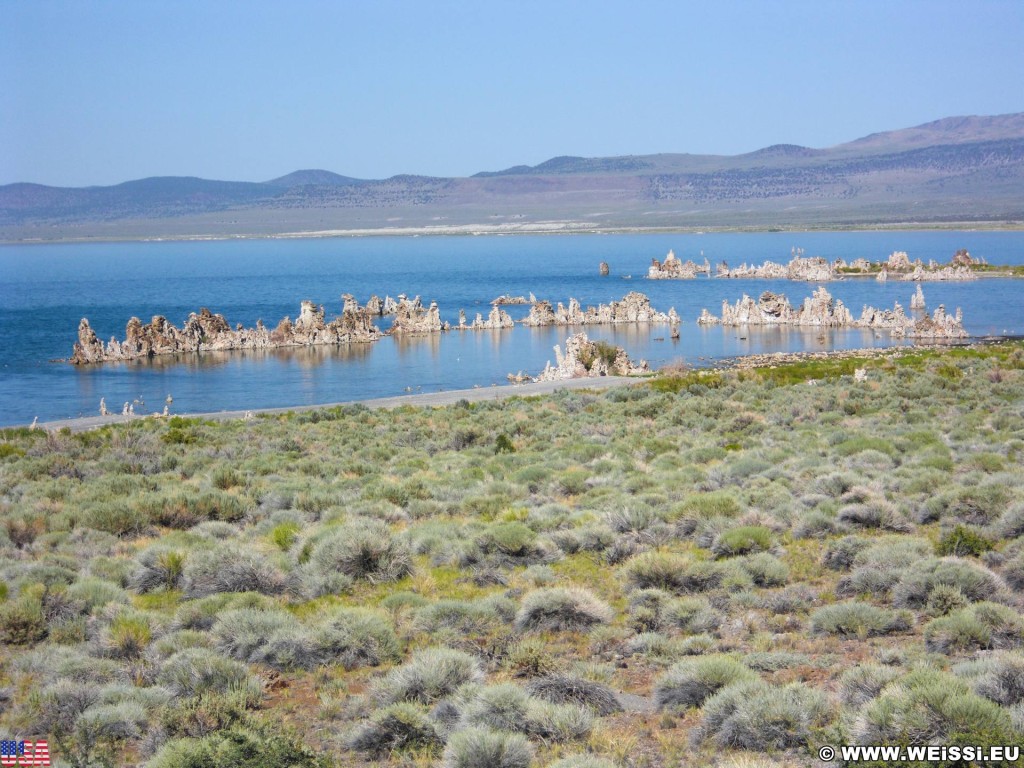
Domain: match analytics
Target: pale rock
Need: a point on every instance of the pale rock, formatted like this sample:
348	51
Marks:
206	331
674	269
584	358
822	310
411	318
633	308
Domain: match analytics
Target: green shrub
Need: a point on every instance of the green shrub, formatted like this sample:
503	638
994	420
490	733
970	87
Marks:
859	620
761	570
561	609
859	444
431	675
465	616
225	478
90	593
503	444
529	657
117	518
255	745
944	599
127	636
356	637
159	567
982	625
930	707
22	621
743	540
690	614
916	584
672	572
484	748
963	541
704	506
513	539
689	683
285	534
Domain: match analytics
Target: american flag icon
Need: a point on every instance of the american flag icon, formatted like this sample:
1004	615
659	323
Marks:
24	753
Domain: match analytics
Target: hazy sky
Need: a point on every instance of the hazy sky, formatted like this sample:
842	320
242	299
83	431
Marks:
102	92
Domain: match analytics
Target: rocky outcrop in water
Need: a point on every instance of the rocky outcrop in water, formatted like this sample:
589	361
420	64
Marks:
936	273
507	299
496	319
634	307
674	269
604	270
413	319
808	268
899	266
586	358
209	332
821	310
377	306
917	300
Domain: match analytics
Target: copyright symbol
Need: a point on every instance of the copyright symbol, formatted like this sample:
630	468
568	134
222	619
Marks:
827	753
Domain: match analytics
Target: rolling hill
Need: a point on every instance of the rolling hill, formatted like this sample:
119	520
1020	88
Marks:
958	169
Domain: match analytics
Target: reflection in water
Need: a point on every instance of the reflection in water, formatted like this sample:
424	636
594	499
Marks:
407	344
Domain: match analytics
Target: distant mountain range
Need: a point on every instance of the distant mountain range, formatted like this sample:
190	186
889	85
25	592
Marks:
959	169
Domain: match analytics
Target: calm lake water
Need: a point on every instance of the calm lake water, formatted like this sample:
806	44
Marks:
46	289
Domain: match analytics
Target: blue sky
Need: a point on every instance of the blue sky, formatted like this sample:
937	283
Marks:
102	92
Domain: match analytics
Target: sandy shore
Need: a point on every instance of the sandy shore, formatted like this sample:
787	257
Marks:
426	400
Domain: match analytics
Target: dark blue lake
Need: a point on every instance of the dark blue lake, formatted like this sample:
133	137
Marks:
46	289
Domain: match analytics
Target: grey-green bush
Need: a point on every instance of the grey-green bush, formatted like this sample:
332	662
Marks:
982	625
858	619
689	683
230	568
394	728
974	581
201	670
431	675
756	716
484	748
361	550
562	608
930	707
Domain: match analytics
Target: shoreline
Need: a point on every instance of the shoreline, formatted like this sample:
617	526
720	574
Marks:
529	389
425	399
555	227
